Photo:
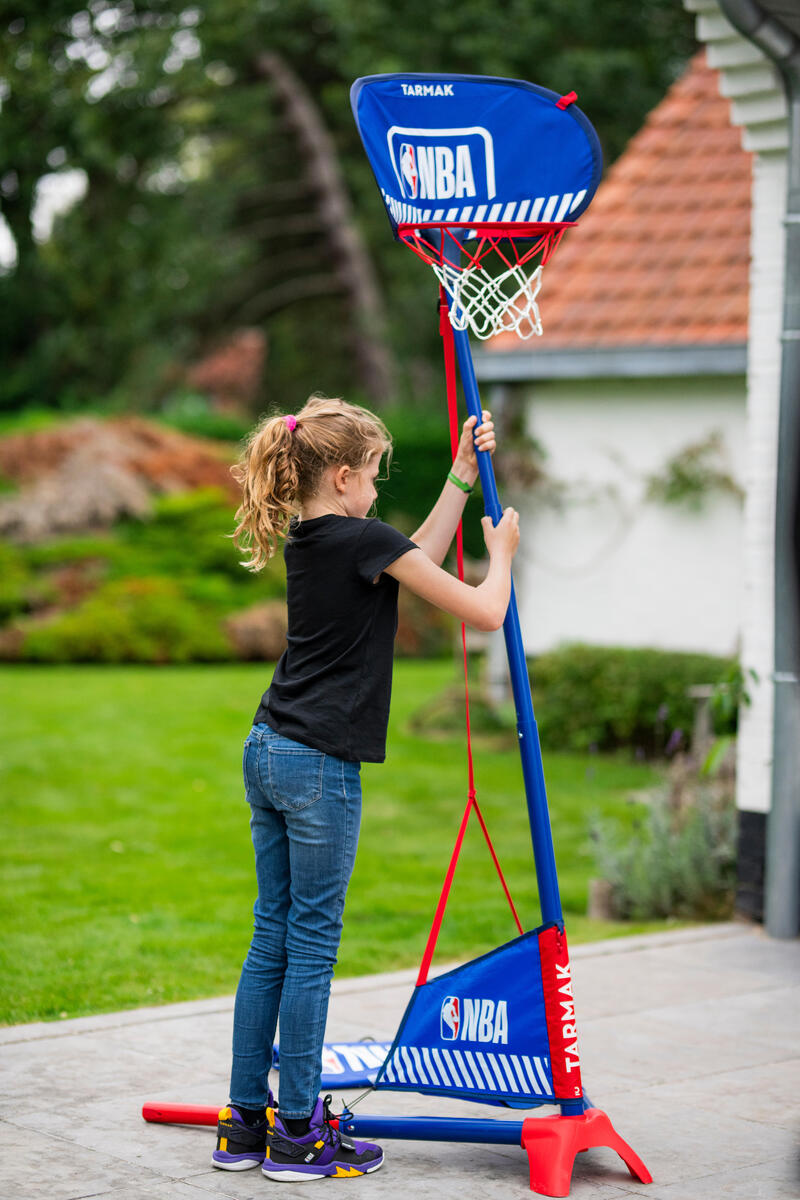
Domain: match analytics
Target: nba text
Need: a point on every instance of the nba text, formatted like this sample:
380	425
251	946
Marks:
436	172
468	1020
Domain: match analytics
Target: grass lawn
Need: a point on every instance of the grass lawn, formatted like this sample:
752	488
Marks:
126	863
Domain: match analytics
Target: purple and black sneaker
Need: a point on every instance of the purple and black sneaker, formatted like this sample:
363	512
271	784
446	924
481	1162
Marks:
239	1145
321	1153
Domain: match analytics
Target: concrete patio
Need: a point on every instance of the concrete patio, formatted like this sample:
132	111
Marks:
690	1042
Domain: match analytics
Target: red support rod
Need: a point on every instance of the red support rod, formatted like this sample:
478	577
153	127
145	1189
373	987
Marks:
180	1114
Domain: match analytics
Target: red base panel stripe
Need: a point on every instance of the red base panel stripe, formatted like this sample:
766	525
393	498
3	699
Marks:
559	1007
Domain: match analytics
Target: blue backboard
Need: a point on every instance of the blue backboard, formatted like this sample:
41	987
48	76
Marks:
474	148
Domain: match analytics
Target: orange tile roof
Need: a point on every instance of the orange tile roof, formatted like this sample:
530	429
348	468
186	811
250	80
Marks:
661	257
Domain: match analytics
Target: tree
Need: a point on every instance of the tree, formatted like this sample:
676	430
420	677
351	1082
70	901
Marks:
207	205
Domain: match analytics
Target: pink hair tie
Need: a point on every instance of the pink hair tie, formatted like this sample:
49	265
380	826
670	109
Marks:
291	423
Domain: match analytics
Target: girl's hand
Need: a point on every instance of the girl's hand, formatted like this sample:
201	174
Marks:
465	463
502	538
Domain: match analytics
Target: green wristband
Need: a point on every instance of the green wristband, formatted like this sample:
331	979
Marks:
465	487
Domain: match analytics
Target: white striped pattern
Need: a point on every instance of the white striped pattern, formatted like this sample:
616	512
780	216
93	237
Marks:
537	208
465	1073
451	1066
509	1072
468	1070
442	1068
429	1065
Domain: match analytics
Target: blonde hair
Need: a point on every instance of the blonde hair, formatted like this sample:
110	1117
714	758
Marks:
281	467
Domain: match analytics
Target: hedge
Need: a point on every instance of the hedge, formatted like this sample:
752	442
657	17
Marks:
605	697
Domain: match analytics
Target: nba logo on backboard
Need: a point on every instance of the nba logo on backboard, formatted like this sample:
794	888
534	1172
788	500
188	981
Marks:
450	1018
443	164
408	170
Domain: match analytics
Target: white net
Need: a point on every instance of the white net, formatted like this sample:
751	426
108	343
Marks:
488	271
491	304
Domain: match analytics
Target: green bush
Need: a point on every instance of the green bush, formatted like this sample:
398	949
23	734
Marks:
605	698
676	864
422	630
77	548
188	533
187	537
193	413
445	715
15	582
131	620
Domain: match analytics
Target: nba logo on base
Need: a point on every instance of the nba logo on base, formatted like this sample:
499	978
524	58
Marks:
450	1018
476	1021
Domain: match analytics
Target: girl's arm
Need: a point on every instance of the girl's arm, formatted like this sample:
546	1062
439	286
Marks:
438	529
483	607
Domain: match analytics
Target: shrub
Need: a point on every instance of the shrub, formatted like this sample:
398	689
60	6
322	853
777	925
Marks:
445	714
259	632
676	863
191	412
15	582
188	533
605	698
131	620
185	538
76	548
422	630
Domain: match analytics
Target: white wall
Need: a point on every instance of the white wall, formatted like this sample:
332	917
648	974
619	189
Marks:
755	741
759	107
605	565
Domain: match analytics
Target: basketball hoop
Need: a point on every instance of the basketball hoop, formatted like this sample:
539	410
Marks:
491	272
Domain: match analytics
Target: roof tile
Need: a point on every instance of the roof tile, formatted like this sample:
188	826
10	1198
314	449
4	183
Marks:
662	256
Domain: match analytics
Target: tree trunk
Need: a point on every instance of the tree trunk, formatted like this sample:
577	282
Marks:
350	259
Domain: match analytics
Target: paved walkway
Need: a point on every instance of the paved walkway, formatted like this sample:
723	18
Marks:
690	1042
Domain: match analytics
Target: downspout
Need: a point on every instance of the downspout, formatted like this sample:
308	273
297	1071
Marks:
782	888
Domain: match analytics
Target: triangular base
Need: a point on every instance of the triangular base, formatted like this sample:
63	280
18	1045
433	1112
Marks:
551	1144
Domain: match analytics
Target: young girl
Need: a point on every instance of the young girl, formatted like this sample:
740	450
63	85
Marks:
310	479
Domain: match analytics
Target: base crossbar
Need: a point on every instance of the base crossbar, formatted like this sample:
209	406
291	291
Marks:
434	1129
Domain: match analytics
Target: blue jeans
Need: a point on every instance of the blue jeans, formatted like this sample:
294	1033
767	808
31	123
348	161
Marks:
306	812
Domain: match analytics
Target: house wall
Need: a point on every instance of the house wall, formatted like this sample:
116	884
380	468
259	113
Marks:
600	563
754	748
760	108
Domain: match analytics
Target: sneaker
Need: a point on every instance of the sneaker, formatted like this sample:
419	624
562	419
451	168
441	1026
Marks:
239	1146
320	1153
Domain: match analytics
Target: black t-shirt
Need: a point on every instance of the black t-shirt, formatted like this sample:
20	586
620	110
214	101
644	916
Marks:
332	685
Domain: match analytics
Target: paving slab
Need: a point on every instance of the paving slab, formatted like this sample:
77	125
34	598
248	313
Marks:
690	1041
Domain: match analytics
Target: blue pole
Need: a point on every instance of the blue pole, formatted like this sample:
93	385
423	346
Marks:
433	1129
527	732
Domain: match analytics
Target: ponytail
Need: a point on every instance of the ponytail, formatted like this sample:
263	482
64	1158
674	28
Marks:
283	462
267	472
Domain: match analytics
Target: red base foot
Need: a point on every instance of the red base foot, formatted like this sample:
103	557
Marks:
551	1144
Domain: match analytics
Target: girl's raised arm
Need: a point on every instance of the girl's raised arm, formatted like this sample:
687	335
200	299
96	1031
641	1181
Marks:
437	531
483	607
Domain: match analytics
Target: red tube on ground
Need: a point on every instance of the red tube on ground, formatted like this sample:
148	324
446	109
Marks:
180	1114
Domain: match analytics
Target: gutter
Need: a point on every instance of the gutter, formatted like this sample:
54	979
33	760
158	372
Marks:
782	890
610	362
